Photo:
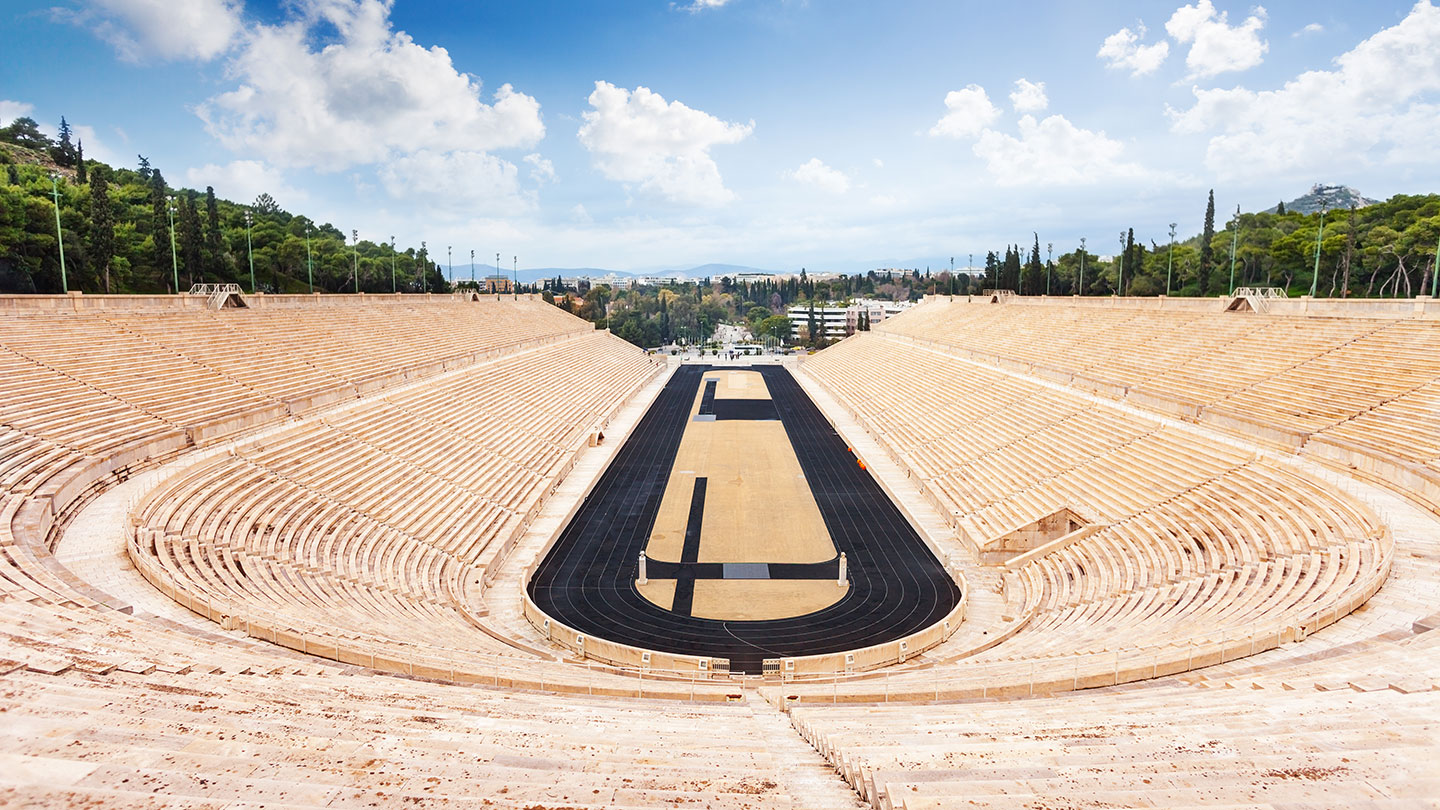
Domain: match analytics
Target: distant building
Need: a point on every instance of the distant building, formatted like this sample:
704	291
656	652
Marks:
496	283
838	321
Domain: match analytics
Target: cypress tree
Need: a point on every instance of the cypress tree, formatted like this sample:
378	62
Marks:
214	255
1131	265
159	225
191	240
80	175
1207	250
102	225
1280	209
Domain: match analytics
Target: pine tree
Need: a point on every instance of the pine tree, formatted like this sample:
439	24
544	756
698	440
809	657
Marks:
102	225
80	175
1280	209
144	171
1207	250
64	151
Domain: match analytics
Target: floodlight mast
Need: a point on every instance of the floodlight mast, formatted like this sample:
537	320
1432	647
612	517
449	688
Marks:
1319	237
250	248
309	264
1170	262
355	255
174	258
60	235
1234	245
1081	289
394	285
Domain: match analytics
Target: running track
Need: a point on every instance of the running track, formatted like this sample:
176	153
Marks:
897	587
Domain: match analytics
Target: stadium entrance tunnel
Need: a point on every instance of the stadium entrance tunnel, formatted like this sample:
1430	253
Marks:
735	525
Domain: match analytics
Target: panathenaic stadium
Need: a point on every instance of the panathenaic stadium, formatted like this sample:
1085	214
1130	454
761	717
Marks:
425	551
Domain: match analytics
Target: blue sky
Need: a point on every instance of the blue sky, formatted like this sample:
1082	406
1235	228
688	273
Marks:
637	135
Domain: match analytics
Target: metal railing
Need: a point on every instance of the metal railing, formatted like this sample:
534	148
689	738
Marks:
214	289
1260	292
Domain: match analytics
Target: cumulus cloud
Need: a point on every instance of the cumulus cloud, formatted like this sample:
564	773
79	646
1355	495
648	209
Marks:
1029	96
1378	104
662	148
242	181
815	173
541	170
1216	46
140	30
369	93
1122	50
476	183
1052	152
1312	28
10	110
968	112
702	5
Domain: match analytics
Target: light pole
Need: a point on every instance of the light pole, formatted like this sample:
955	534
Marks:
394	288
309	263
472	270
450	262
174	259
355	257
515	278
59	235
1120	282
1081	289
250	249
498	275
1315	280
1049	260
424	268
1170	262
1234	245
1435	277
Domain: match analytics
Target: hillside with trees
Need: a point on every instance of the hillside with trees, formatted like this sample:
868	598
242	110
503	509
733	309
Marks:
119	237
118	225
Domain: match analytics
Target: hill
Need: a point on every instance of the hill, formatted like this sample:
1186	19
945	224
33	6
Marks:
1329	198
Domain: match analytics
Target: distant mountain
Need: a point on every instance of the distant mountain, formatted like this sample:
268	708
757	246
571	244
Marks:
1331	198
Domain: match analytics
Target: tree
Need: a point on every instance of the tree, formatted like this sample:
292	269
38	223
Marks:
213	253
25	132
265	204
63	152
1207	250
102	226
145	171
1280	209
160	227
191	240
80	173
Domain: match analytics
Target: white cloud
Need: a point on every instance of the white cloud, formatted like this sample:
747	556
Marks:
662	148
702	5
1312	28
1029	96
1052	152
541	170
241	181
1217	47
879	164
369	94
1379	104
1122	49
815	173
469	183
141	29
10	110
968	111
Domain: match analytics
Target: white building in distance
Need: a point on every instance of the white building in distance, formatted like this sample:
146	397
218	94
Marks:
837	321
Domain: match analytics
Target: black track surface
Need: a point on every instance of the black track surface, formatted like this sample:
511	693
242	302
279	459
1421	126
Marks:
587	581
